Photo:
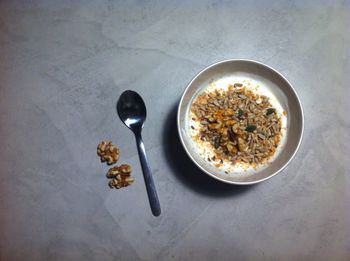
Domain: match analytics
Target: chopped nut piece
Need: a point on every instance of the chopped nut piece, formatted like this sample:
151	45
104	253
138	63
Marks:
242	145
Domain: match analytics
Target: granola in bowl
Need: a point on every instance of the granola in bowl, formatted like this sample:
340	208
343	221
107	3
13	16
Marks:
239	126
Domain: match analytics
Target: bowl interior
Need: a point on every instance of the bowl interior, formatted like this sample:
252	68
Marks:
277	85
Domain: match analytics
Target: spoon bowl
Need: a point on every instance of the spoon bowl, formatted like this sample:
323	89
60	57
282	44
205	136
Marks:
132	110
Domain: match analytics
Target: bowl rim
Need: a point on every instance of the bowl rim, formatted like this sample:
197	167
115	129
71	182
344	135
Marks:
202	168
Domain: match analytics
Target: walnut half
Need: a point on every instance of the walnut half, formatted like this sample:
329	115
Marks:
123	170
108	152
120	176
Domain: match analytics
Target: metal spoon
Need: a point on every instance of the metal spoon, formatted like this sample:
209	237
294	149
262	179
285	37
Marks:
132	111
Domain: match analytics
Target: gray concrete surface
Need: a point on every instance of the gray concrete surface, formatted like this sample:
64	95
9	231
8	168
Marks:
64	63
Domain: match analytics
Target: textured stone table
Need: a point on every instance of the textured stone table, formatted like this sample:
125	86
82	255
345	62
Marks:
62	67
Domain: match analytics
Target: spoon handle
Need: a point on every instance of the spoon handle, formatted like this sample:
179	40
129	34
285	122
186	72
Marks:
147	175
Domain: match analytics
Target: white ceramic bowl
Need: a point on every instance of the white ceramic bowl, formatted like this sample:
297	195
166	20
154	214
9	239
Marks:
277	85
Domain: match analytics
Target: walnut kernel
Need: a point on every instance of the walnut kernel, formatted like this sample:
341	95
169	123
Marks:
108	152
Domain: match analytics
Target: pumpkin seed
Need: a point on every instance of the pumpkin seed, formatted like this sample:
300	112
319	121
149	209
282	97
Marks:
270	111
250	128
240	113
